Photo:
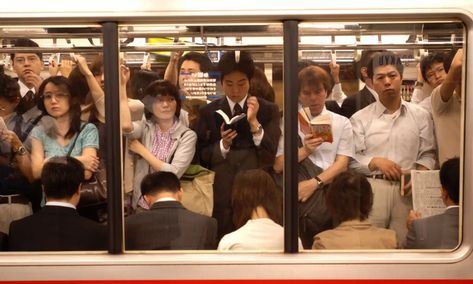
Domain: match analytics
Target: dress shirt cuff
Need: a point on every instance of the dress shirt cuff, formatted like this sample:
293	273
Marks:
223	150
258	137
428	163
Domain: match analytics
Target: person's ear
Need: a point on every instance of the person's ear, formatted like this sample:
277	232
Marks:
180	194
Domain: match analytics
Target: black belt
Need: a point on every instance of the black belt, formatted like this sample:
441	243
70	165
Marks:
8	199
378	176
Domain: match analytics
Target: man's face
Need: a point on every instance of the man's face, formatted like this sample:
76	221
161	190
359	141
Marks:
188	68
27	64
236	86
435	74
313	97
387	82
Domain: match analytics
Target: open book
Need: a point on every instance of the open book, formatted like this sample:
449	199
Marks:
319	126
230	123
426	195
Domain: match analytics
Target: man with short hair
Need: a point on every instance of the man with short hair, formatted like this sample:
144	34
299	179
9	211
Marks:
58	226
438	231
167	225
391	138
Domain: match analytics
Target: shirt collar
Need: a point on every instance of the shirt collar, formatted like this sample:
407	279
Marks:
24	89
60	203
379	108
232	104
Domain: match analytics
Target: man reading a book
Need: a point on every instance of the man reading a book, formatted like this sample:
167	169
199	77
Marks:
328	145
248	143
391	138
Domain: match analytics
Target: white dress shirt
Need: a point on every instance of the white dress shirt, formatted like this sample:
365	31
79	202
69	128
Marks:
405	137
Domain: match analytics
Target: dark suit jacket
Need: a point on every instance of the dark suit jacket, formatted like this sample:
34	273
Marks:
333	106
434	232
169	226
243	153
56	228
356	102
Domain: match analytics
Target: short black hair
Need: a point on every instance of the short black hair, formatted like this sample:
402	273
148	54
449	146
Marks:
61	177
350	197
138	83
229	64
429	60
160	182
450	178
203	60
366	56
160	88
9	88
25	42
384	59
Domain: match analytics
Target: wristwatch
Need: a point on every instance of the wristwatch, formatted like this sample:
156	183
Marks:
319	181
20	151
258	130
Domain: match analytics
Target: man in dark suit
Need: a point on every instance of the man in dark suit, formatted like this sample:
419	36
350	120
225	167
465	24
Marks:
58	226
438	231
367	95
168	225
251	144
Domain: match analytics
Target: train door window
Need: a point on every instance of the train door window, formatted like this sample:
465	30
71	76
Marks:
377	143
54	109
211	96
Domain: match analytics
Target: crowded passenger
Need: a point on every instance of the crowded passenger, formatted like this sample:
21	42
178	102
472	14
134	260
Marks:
257	214
58	227
350	200
168	225
438	231
391	137
15	164
162	142
251	144
329	158
446	111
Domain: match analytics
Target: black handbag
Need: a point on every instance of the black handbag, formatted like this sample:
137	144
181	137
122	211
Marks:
93	191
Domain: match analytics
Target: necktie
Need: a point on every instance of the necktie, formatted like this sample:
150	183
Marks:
26	103
237	110
17	127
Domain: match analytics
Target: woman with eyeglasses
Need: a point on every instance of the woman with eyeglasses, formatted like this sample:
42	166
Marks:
56	133
162	141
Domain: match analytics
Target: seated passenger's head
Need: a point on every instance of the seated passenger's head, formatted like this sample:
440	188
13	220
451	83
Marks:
450	181
350	197
237	69
385	69
162	100
9	94
25	64
192	63
159	185
61	178
138	83
315	85
433	68
254	196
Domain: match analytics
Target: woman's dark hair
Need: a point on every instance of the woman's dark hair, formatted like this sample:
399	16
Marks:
313	76
9	88
96	67
74	103
260	86
228	64
253	188
203	60
350	197
160	88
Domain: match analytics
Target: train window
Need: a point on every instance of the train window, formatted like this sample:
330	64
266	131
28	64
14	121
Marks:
211	96
373	155
52	98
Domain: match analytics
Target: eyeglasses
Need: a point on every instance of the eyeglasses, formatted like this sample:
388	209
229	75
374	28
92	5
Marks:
57	97
22	60
435	71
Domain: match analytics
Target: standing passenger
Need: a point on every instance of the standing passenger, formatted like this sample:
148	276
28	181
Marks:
251	145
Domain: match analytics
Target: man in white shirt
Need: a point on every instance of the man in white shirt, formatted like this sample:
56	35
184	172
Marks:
58	226
331	157
391	138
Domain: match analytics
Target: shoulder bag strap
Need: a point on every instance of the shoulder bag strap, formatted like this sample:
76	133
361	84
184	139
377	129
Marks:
75	139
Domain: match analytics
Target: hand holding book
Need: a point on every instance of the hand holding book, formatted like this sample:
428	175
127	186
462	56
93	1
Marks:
319	126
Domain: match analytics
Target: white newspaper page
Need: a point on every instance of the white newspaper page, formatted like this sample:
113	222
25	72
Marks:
426	196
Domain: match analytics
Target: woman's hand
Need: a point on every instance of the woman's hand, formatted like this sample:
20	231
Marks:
91	163
136	147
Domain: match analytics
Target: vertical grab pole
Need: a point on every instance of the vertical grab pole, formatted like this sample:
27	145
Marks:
113	137
291	48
